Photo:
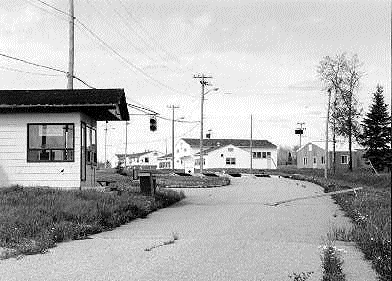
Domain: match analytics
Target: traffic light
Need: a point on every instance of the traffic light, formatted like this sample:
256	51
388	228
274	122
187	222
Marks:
153	124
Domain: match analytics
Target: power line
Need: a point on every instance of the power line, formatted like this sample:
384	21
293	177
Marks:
53	7
44	66
120	34
29	72
135	67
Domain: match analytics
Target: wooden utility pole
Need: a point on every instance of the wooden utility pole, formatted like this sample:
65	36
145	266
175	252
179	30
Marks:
251	144
300	135
326	135
106	138
203	84
126	144
71	61
173	107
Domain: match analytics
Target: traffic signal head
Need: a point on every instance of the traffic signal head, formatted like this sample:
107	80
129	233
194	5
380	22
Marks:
153	124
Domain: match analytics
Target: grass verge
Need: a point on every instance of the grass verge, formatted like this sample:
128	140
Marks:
369	209
32	220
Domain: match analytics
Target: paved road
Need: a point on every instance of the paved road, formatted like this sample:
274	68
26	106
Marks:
225	233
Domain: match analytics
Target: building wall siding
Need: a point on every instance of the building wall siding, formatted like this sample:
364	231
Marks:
14	168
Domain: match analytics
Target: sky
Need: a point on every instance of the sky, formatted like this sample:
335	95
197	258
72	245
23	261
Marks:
262	55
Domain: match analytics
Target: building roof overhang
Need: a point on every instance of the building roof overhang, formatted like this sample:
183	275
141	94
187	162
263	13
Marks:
100	104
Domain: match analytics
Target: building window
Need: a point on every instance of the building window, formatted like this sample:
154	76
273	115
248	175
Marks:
230	149
146	160
314	160
264	154
230	161
322	160
91	145
221	155
305	161
256	154
268	154
50	143
197	162
344	159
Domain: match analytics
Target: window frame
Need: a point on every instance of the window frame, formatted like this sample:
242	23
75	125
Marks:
50	149
229	161
305	161
341	159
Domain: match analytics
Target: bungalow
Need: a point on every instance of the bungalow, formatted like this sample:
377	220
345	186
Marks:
223	154
147	159
49	137
312	155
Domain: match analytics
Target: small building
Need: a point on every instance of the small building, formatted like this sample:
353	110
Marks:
312	155
49	137
165	161
222	154
141	160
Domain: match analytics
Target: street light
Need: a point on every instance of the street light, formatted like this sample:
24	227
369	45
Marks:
201	123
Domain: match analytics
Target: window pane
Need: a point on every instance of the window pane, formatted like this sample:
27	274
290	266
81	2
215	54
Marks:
44	155
33	155
34	140
264	155
51	136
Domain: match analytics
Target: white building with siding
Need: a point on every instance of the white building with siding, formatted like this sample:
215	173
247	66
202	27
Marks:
142	159
48	137
222	154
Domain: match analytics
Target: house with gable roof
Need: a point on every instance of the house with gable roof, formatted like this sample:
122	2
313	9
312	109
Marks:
223	154
312	155
49	137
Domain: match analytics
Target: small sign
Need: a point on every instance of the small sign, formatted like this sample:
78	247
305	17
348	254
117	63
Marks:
50	131
299	131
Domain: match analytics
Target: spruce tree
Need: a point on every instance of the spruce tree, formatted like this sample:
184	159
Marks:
376	135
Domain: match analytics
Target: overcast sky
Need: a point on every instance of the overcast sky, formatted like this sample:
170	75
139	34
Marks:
265	53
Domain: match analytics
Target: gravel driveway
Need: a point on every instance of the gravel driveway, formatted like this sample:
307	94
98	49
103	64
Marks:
225	233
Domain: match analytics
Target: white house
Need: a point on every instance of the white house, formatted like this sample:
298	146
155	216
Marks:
222	154
48	137
147	159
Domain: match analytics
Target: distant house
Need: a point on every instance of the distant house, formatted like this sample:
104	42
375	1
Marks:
165	161
147	159
312	155
49	137
222	154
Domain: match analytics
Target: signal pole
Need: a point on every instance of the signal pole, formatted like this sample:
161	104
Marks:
300	135
203	84
251	144
71	52
173	107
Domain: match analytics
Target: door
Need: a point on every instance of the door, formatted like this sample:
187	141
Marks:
83	160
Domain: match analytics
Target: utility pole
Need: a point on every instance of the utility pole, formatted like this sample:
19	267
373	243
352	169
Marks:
106	137
203	84
71	62
301	132
251	144
126	144
326	135
173	107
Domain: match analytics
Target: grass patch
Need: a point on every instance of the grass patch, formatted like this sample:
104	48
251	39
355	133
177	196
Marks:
369	209
33	220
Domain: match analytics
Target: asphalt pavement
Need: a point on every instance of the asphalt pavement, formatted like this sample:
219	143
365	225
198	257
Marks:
223	233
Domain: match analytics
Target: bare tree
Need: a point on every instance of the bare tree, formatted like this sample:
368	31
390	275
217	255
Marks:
342	74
